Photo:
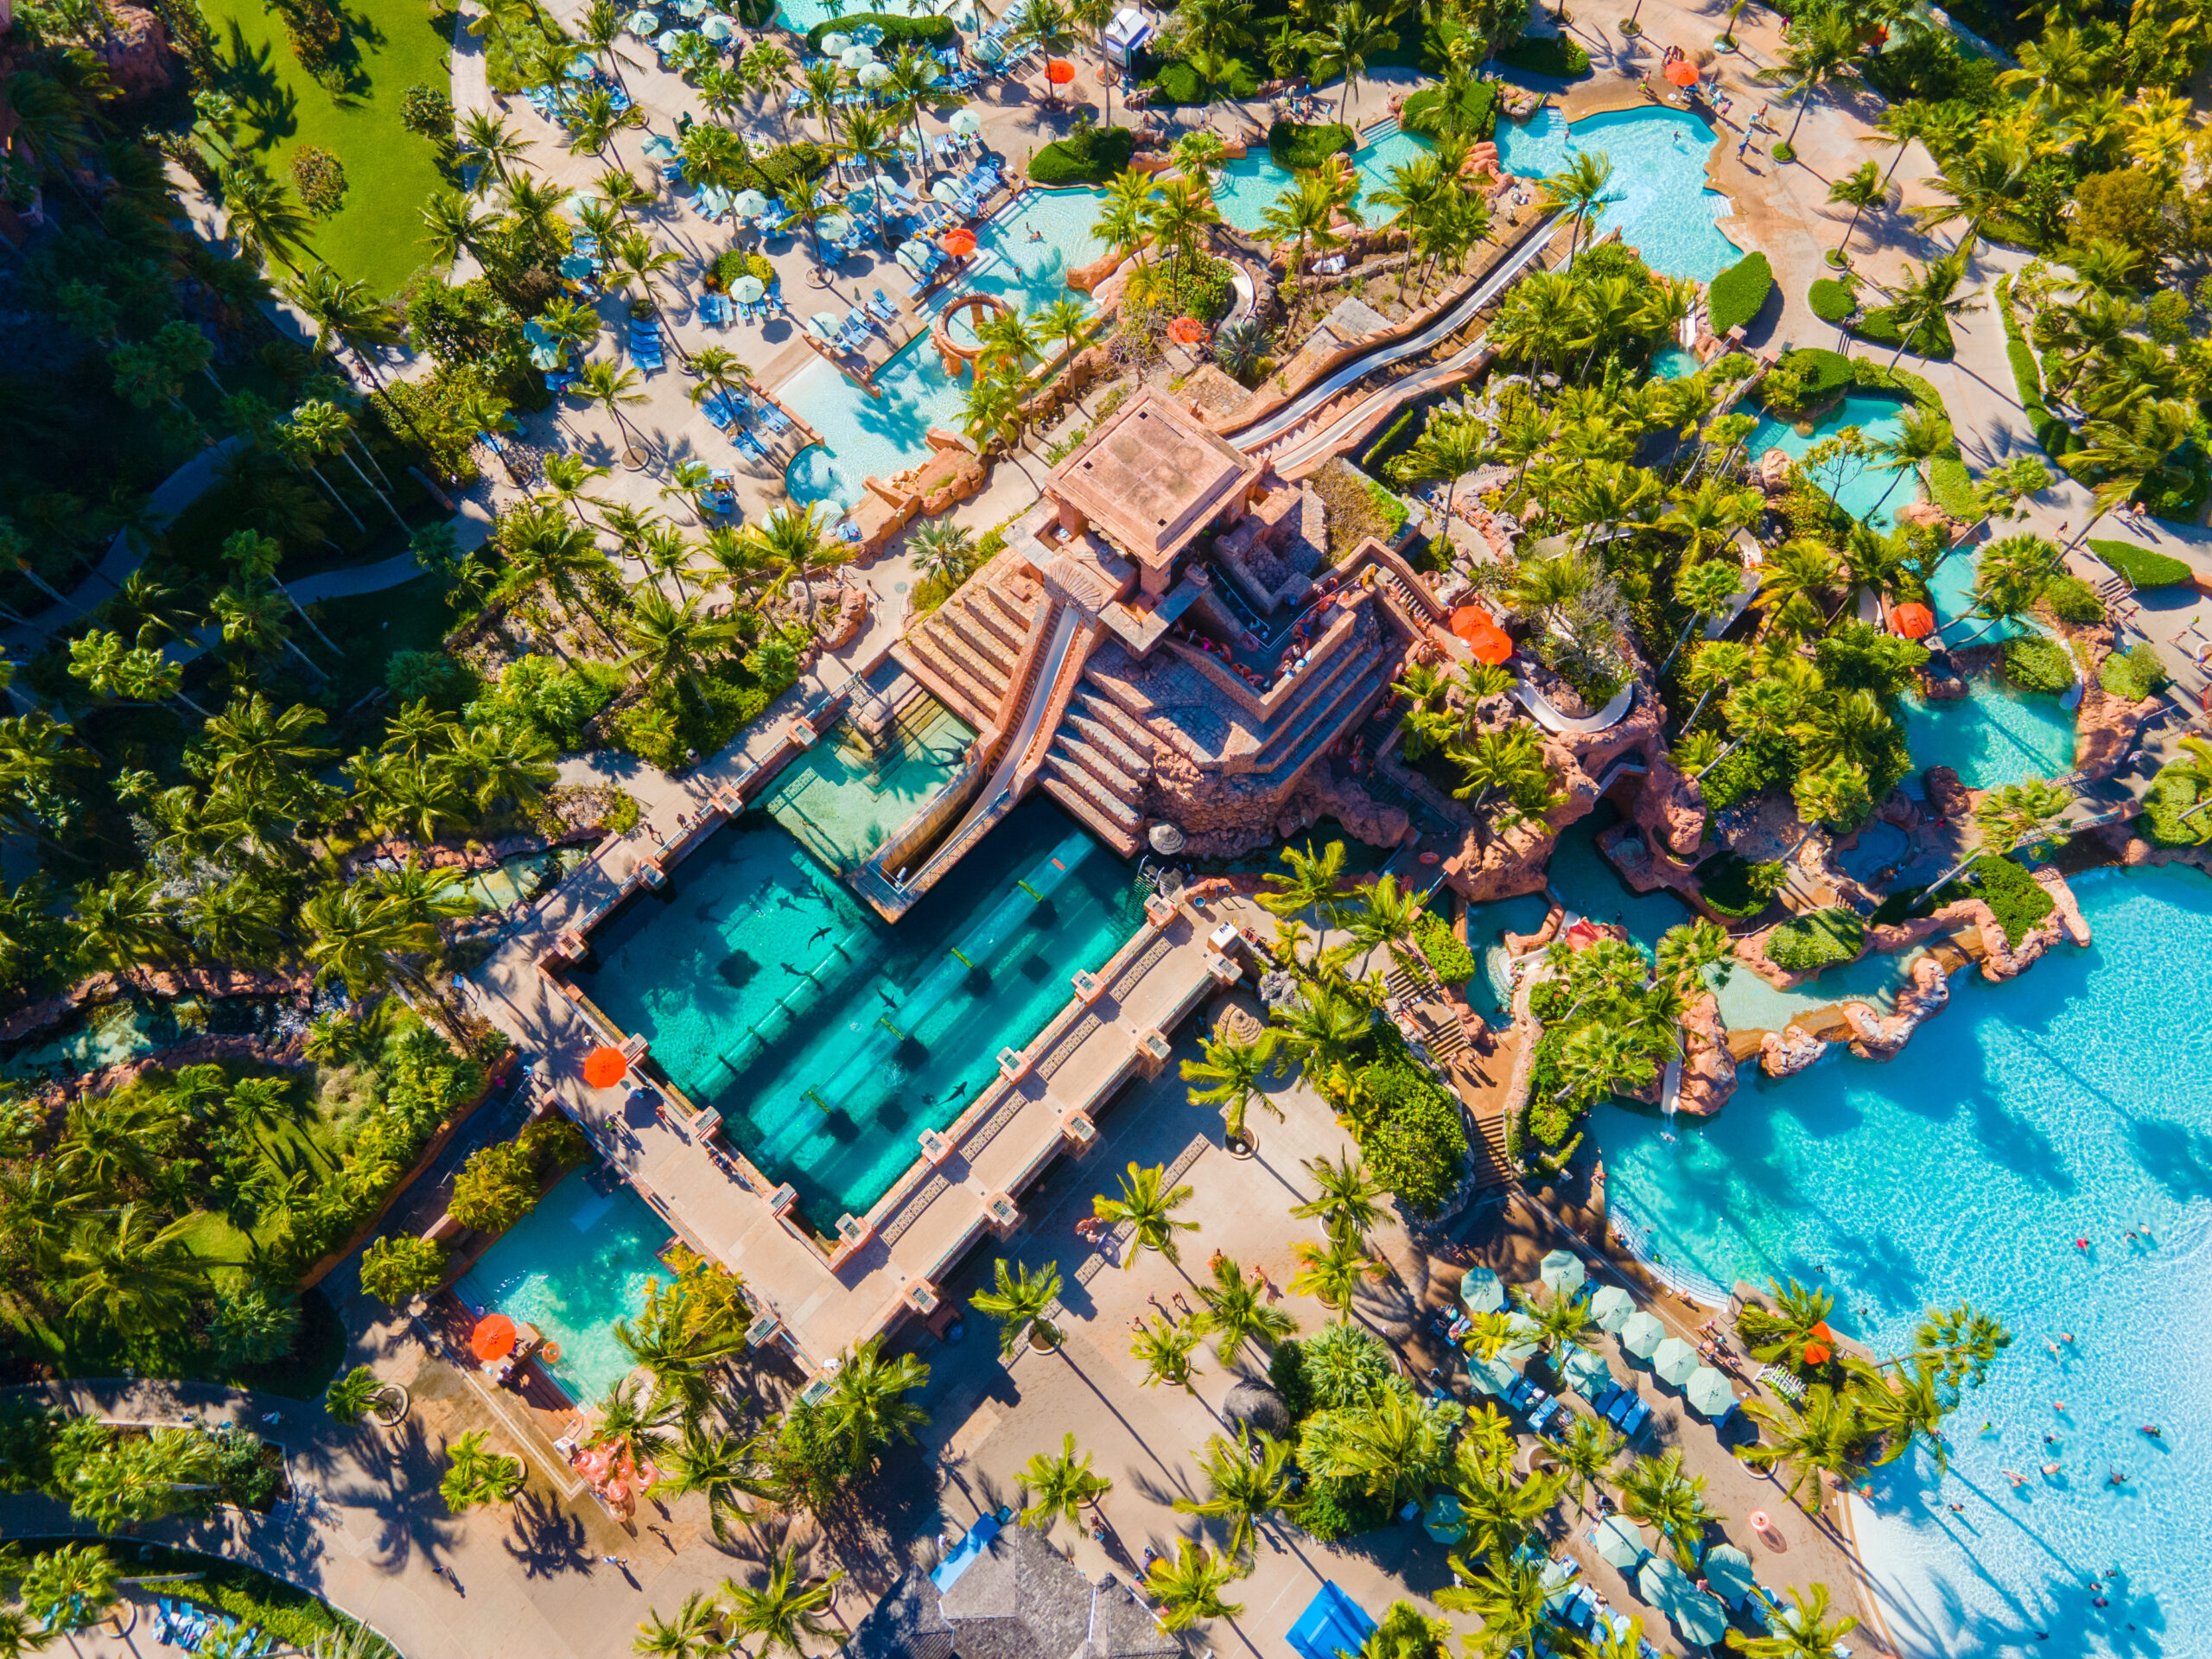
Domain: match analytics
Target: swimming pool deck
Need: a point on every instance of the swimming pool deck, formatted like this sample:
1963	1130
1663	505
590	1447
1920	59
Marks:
827	1296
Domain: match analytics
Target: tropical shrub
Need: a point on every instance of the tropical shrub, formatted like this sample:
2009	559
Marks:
1802	379
496	1188
2073	600
426	110
898	30
1932	340
1736	295
1807	944
1300	148
2143	566
1088	155
1560	56
1451	959
2036	663
2134	675
399	1268
1950	487
320	177
1732	885
552	699
2018	901
1416	1145
1475	116
1831	301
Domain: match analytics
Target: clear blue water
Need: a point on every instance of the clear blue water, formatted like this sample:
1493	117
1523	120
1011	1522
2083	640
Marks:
828	1040
843	800
1860	489
1244	190
1673	363
865	436
2073	1102
572	1266
1996	735
1665	211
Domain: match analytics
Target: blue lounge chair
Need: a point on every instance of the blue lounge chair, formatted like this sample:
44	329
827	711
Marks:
882	309
770	416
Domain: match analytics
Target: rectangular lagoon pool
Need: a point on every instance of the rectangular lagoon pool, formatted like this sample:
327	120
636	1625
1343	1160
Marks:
572	1266
828	1040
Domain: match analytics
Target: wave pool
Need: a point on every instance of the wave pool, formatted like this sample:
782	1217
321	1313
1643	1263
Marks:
2071	1103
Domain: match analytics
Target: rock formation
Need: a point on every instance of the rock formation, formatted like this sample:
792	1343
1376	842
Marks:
1945	794
137	52
1878	1037
1786	1052
1708	1068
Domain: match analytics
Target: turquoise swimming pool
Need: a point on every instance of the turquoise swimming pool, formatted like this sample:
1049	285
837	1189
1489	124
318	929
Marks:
828	1040
1243	190
572	1266
2072	1103
1023	258
1665	211
1861	488
1998	735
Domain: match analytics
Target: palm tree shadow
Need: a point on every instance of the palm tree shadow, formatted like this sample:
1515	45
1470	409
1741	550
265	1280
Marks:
249	76
546	1539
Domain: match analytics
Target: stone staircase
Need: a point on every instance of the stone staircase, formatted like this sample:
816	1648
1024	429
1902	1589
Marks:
966	650
1492	1166
1097	767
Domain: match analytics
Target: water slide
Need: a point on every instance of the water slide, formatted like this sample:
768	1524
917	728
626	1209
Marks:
998	791
1250	437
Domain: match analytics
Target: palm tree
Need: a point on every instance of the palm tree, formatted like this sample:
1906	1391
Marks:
1125	211
1507	1597
70	1588
868	1401
1346	1203
135	1275
1166	1349
1231	1073
1447	450
486	144
1246	1481
1059	1487
263	214
1333	1273
1562	1322
349	1397
1150	1204
1182	210
1708	590
1344	46
452	226
1188	1588
782	1612
1581	185
1234	1311
1310	884
1903	1407
1818	46
1655	1491
667	638
1961	1343
944	551
722	1468
1587	1453
1761	709
1858	191
1385	918
689	1635
1801	1631
1018	1300
612	389
475	1476
1926	300
1305	212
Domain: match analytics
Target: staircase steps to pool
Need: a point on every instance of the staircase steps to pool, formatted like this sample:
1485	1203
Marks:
966	650
1319	699
1318	724
1091	737
1493	1167
1071	752
1115	821
966	624
1004	614
953	685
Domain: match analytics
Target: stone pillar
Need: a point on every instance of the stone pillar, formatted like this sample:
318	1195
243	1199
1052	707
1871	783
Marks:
1070	519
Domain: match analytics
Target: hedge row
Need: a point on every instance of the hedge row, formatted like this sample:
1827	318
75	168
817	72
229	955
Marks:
1933	342
2143	566
1950	487
1832	301
1299	148
1091	156
1736	295
898	30
2053	434
1557	56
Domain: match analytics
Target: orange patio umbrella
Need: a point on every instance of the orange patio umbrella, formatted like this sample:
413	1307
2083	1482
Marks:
493	1337
959	244
1059	72
1913	620
1490	643
1682	72
1187	331
604	1067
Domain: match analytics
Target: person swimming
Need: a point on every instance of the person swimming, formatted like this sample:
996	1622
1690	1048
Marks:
2117	1477
2153	1431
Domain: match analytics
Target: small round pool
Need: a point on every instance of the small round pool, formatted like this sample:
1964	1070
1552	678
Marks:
1860	489
1880	846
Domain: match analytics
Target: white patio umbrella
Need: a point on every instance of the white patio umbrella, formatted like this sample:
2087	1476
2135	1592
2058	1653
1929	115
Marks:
824	323
1481	1290
966	122
946	192
1522	1342
1562	1272
856	57
833	44
660	146
873	75
1675	1361
750	204
1611	1307
1642	1334
718	29
668	43
835	226
1709	1393
746	289
642	24
692	8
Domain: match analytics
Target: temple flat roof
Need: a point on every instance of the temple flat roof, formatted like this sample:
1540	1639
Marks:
1151	477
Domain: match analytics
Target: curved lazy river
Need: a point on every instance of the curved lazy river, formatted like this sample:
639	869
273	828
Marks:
2067	1104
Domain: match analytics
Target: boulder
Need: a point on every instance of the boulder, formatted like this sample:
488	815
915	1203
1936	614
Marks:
1941	688
1786	1052
1708	1068
137	52
1922	513
2106	730
1878	1037
1775	470
1948	796
1670	811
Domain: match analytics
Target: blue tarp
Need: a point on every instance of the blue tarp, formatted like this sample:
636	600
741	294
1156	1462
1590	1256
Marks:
1333	1623
979	1537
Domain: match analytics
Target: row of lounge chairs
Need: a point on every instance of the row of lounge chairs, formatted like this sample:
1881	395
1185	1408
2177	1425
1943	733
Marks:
1622	1407
645	344
181	1625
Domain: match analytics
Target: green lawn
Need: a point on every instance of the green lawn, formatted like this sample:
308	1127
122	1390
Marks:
390	172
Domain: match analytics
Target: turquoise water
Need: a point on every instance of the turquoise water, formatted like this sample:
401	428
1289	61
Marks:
1998	735
865	436
843	800
1673	363
1860	488
1244	190
572	1266
828	1040
1664	211
2070	1103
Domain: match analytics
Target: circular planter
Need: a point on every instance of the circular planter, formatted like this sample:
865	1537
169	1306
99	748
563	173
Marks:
634	459
1039	1343
1240	1148
390	1407
1631	28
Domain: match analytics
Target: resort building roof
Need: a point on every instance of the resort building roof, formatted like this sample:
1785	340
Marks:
1150	480
1019	1598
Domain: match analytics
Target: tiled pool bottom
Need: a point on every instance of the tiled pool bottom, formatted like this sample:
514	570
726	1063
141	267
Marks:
843	800
572	1266
865	436
828	1040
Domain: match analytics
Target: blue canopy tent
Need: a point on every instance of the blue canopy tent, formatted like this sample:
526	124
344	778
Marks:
1333	1623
